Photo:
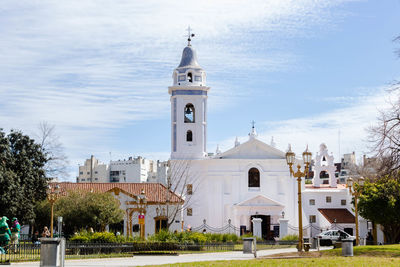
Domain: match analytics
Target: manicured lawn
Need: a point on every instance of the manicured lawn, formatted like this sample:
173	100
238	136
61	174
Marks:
388	255
324	261
371	251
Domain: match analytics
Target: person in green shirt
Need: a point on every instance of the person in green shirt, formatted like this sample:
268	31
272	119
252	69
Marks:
5	233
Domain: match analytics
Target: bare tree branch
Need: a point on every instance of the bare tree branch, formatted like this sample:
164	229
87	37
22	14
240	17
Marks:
51	146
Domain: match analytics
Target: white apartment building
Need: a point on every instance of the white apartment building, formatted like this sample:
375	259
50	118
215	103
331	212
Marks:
133	170
93	171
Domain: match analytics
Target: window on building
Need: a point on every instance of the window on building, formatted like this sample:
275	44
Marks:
135	228
328	199
88	173
190	77
189	136
343	202
189	113
323	174
189	189
95	172
312	219
189	211
82	180
96	179
80	172
312	202
254	177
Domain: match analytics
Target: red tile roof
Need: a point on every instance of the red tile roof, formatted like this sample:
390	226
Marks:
340	215
155	192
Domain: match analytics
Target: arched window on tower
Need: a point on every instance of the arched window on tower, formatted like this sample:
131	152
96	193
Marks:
189	113
254	177
189	136
190	77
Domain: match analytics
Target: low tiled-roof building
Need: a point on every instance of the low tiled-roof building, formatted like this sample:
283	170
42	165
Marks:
153	200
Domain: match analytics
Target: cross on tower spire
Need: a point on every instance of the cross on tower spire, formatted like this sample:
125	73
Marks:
190	34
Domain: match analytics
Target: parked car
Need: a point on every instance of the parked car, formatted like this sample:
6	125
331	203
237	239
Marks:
327	238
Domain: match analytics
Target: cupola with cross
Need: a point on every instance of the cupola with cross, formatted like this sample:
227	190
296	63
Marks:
188	107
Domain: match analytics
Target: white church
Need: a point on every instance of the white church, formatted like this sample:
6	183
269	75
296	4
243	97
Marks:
251	179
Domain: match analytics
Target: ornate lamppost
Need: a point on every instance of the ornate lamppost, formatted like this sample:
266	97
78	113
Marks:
141	203
290	159
53	193
355	189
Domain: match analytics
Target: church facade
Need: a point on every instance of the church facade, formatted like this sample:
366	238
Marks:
250	180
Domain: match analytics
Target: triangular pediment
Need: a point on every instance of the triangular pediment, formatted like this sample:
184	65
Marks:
252	149
260	201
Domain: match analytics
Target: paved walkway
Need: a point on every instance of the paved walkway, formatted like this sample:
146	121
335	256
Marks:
157	260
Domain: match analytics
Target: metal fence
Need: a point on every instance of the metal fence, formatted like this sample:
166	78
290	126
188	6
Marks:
26	251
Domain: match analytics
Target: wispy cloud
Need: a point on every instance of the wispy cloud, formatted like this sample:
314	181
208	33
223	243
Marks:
345	125
91	66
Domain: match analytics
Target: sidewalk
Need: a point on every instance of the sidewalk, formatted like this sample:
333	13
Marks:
157	260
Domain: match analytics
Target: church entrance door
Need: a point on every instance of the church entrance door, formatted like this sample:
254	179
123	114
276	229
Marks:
265	226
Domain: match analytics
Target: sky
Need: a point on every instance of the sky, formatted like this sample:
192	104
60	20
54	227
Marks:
306	71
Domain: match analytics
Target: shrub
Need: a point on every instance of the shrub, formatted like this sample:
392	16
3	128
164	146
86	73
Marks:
198	238
163	236
104	237
79	238
290	238
216	237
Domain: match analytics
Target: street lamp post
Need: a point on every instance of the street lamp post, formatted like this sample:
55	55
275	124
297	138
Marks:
141	202
355	189
53	193
290	159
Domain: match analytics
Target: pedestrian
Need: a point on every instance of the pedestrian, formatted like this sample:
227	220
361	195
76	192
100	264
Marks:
5	233
15	230
46	232
35	238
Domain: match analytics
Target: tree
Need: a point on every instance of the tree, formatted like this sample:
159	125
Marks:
57	161
385	135
81	210
380	203
22	175
385	138
182	182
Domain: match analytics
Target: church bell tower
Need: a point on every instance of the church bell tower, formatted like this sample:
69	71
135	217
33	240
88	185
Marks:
188	107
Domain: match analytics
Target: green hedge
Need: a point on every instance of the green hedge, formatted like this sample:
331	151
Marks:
162	236
290	238
192	237
100	237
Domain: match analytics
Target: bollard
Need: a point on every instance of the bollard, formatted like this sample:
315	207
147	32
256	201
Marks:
347	247
52	252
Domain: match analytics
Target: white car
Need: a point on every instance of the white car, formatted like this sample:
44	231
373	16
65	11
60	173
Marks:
328	238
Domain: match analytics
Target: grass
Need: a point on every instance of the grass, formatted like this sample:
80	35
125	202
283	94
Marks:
325	261
388	255
370	251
